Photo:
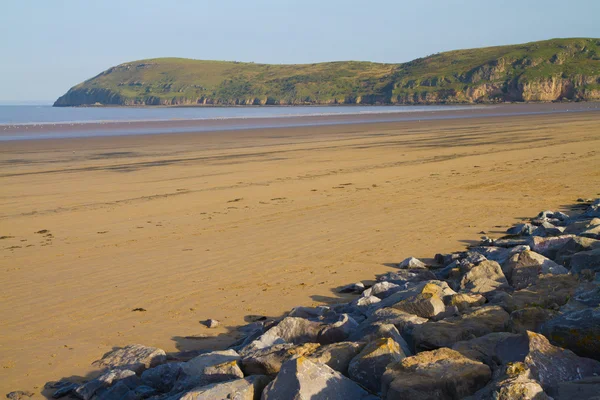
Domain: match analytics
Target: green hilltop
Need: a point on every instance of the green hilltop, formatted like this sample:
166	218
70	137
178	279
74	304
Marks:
550	70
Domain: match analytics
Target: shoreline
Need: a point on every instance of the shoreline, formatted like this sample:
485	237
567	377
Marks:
64	130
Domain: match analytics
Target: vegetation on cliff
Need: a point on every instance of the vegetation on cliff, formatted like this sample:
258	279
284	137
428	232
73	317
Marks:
548	70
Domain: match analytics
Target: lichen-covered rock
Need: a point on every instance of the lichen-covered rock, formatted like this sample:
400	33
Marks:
483	278
303	379
336	355
217	366
249	388
268	361
474	323
134	357
529	319
379	330
578	331
484	348
550	291
440	374
463	301
368	366
513	383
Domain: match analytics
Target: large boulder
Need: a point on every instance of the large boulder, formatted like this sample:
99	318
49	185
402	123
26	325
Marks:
102	384
550	291
382	289
523	269
217	366
303	379
163	377
249	388
514	382
268	361
440	374
586	260
463	301
368	366
484	348
425	305
473	323
483	278
134	357
578	331
587	388
337	331
380	330
412	263
548	246
294	330
337	355
403	276
573	246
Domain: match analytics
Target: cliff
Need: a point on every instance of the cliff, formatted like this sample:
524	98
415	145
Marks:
551	70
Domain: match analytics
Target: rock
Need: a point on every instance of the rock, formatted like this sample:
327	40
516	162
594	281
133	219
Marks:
529	319
269	361
548	246
587	388
483	278
312	313
445	259
363	304
404	323
411	289
550	291
439	374
463	301
484	348
211	323
513	383
302	379
368	366
593	232
19	395
521	229
407	275
512	242
587	295
522	269
249	388
101	384
425	305
290	330
573	246
547	229
358	288
217	366
163	377
65	389
134	357
578	331
337	331
379	330
336	355
474	323
586	260
494	253
549	365
384	289
412	263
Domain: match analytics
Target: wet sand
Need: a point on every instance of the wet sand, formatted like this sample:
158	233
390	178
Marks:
232	224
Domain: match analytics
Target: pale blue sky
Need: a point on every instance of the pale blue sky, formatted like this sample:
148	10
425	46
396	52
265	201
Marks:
47	46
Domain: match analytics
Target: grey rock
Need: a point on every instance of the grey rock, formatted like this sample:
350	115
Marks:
384	289
337	331
379	330
290	330
96	386
586	260
368	366
217	366
163	377
483	278
412	263
19	395
439	374
336	355
523	269
529	319
425	305
358	287
548	246
521	229
474	323
550	291
484	348
573	246
269	361
587	388
512	383
463	301
407	275
303	379
134	357
578	331
211	323
249	388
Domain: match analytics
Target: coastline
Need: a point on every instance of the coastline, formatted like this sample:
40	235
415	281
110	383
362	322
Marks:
163	222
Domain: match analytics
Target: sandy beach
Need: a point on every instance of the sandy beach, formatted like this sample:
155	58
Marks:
233	224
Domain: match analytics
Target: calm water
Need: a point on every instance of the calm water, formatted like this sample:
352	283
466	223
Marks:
11	115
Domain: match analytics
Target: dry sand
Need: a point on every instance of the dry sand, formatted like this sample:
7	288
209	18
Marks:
234	224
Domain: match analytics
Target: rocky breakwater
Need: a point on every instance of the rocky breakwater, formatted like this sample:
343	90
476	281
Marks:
516	317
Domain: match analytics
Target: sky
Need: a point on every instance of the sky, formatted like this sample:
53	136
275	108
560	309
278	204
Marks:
48	46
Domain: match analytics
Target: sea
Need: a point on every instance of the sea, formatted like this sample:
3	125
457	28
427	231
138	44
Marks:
29	122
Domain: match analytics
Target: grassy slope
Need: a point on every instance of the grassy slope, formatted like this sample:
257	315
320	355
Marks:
176	80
